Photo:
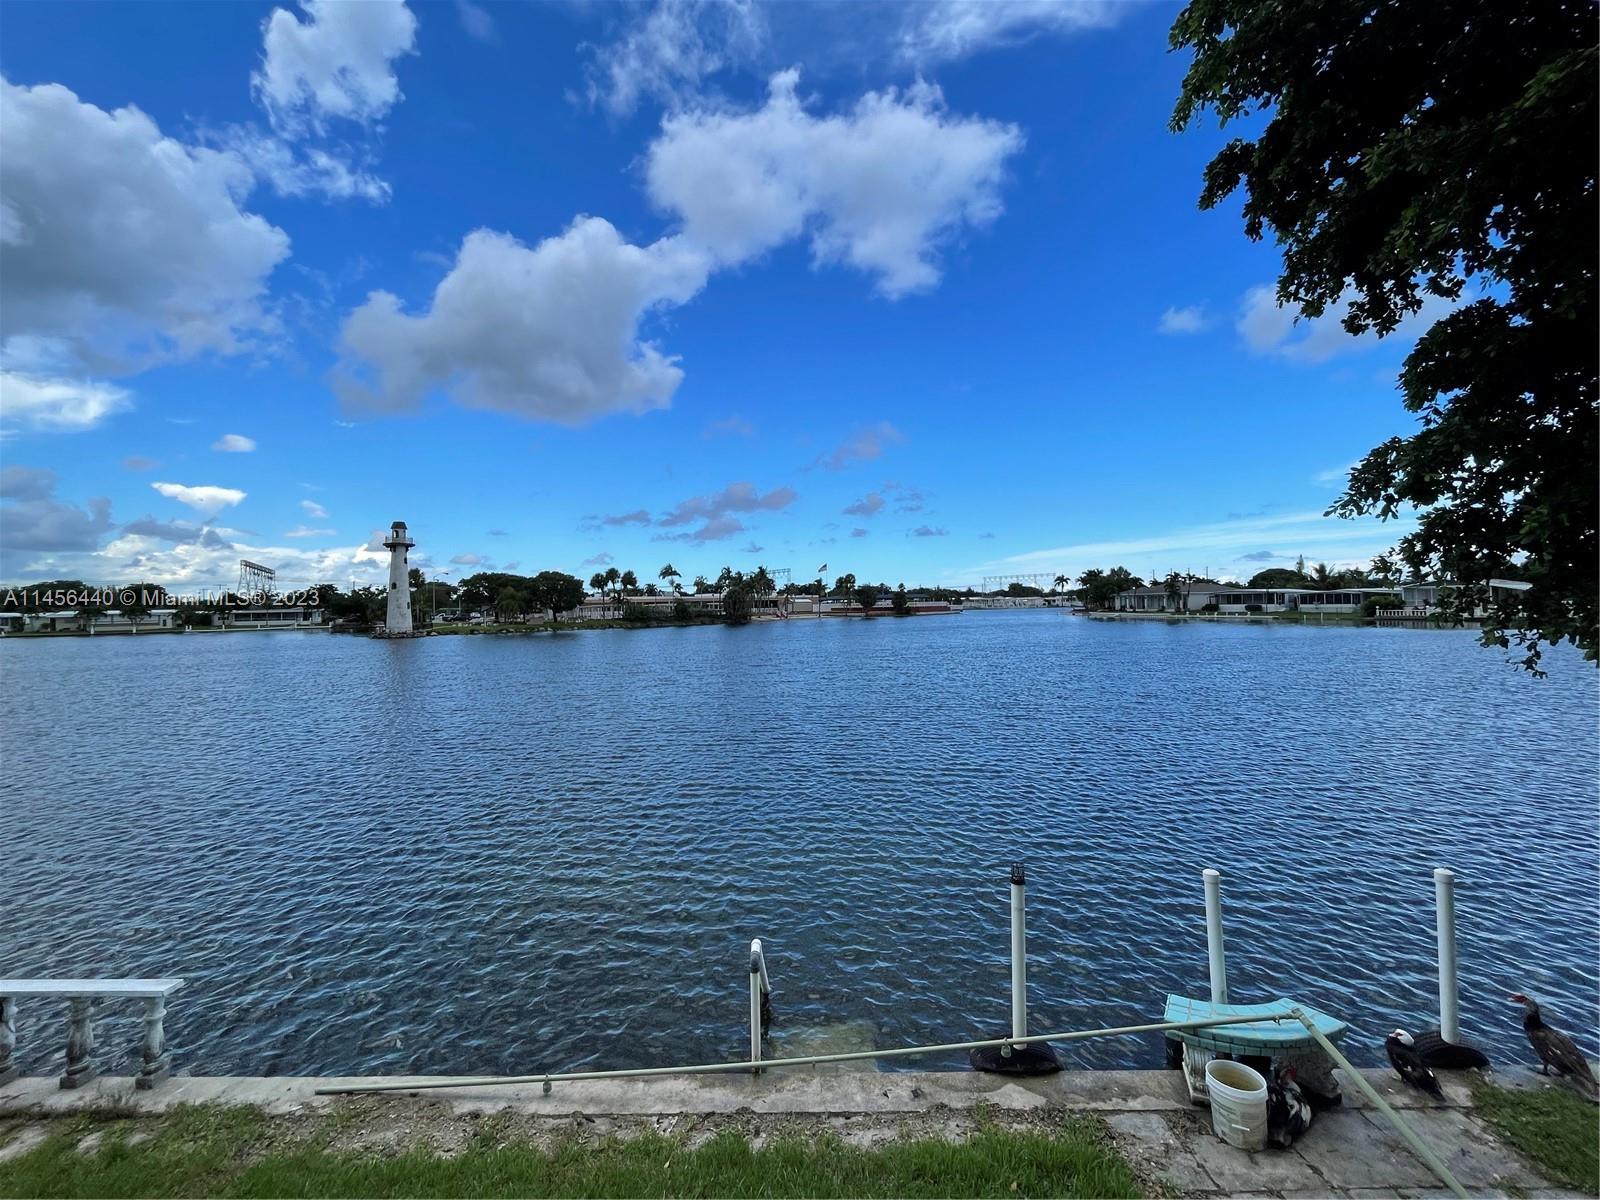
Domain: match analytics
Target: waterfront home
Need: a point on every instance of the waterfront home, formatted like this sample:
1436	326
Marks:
108	621
1425	594
271	616
1154	598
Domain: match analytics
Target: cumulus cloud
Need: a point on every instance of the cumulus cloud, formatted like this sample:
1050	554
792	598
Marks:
120	246
929	531
665	54
1260	556
869	505
752	548
549	332
1190	319
206	498
234	443
715	512
883	187
858	533
313	509
49	405
938	31
469	560
337	63
34	522
864	445
603	559
1272	329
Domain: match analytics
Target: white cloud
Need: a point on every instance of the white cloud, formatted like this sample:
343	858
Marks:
469	560
714	512
306	171
883	188
668	52
339	62
939	31
476	20
1191	319
205	498
313	509
549	332
57	405
302	531
1269	328
864	445
1334	476
234	443
869	505
121	246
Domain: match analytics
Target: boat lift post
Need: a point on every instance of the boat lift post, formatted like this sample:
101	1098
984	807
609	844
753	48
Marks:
1444	904
1019	955
760	1000
1214	947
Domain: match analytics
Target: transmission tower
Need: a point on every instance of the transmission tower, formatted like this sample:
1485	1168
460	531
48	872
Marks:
255	579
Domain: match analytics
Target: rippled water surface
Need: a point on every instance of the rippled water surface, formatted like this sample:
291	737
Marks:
509	854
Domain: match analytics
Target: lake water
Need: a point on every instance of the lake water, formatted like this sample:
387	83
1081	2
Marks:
518	854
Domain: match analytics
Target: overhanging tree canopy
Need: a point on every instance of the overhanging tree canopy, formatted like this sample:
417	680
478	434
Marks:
1439	149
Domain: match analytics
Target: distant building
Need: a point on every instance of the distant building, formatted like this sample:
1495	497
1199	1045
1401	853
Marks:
1426	594
271	616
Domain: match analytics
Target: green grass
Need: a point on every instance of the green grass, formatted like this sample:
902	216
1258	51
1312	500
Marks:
210	1151
1554	1129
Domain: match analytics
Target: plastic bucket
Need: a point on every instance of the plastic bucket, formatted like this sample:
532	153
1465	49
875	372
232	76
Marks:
1238	1104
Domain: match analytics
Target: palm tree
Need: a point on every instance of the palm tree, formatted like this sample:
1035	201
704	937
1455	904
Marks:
598	582
701	585
1322	577
629	581
672	574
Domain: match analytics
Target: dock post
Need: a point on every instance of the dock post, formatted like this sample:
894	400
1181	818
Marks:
1019	955
1444	903
1214	949
758	971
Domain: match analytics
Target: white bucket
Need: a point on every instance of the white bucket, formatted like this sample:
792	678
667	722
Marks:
1238	1104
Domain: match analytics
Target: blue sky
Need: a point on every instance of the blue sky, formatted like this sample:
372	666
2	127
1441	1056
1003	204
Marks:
921	292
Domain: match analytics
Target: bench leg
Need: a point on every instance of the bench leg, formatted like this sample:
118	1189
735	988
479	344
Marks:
157	1066
80	1044
8	1039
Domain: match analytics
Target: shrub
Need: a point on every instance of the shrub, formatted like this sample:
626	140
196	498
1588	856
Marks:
1252	608
1209	607
680	610
635	612
1370	607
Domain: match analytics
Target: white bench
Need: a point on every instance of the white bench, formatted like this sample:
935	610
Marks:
81	995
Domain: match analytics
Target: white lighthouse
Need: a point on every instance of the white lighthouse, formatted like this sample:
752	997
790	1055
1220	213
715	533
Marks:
398	620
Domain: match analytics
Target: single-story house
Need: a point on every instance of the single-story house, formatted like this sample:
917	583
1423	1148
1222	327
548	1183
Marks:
271	616
1425	593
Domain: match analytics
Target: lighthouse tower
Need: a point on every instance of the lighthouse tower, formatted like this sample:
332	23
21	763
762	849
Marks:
398	543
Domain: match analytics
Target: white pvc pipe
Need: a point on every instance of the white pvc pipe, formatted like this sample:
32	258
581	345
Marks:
758	979
1019	954
1214	949
1444	905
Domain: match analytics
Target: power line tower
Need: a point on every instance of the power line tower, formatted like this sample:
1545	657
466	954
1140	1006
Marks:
255	579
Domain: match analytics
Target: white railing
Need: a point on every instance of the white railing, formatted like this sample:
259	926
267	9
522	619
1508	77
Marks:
81	995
